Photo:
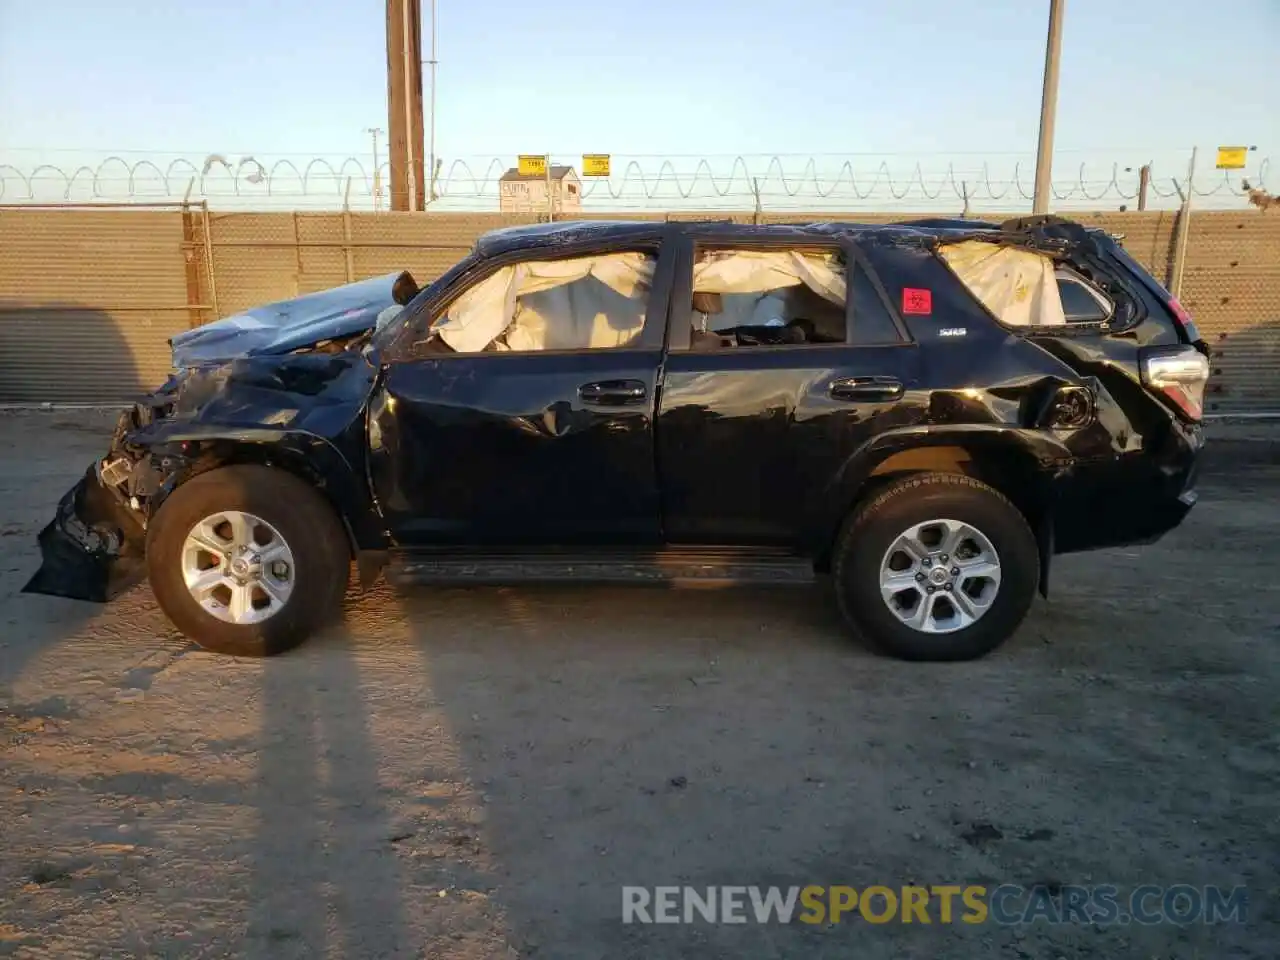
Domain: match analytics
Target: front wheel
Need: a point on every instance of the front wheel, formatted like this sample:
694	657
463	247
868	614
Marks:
247	560
936	567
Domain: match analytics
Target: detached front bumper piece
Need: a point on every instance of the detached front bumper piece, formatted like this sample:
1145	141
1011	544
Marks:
94	549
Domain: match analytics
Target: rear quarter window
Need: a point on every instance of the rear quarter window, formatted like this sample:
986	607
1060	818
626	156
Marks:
1081	301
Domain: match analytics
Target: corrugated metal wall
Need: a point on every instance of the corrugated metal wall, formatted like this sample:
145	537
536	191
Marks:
88	298
87	302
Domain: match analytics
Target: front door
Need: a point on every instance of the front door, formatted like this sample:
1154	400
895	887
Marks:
543	434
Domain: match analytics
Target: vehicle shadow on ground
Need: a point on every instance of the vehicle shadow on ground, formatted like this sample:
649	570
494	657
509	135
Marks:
325	878
630	736
379	795
618	737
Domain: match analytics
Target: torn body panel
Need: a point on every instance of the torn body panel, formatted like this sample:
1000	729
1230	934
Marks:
301	413
93	549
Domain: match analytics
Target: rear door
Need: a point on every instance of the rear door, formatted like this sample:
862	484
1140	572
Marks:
537	444
752	435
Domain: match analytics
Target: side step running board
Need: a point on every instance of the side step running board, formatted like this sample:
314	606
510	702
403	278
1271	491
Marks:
670	565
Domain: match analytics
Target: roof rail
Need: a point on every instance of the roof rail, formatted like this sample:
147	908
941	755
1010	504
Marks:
949	223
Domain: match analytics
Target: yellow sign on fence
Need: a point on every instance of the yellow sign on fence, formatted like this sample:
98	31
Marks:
1232	158
532	165
595	164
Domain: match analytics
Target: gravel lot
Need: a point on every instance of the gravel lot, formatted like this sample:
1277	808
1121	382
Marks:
476	773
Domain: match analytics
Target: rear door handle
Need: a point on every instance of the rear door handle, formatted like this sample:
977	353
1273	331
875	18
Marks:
614	393
866	389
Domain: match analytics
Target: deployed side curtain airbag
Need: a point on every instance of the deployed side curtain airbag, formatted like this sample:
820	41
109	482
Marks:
1016	285
764	272
751	271
480	314
540	305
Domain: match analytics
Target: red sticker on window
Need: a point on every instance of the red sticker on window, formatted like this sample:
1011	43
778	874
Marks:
916	300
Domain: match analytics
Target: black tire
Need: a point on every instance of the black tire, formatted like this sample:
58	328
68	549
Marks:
873	527
303	518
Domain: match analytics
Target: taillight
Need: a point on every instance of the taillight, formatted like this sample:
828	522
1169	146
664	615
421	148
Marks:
1179	374
1183	317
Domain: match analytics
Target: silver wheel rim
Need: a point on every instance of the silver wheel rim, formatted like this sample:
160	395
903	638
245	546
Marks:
238	567
940	576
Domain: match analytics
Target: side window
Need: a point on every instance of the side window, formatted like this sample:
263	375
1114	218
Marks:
767	298
1081	301
871	322
584	303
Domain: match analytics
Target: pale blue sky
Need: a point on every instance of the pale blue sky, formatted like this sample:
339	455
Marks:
928	80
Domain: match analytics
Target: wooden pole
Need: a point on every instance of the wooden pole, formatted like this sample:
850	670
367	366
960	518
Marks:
418	166
397	117
404	104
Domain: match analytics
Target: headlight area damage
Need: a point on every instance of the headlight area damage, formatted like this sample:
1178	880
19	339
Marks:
283	401
93	548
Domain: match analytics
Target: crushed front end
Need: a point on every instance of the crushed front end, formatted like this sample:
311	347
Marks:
295	364
95	546
269	410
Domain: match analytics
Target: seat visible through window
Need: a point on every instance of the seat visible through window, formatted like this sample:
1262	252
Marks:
767	298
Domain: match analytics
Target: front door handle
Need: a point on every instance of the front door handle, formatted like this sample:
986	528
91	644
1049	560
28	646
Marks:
866	389
614	393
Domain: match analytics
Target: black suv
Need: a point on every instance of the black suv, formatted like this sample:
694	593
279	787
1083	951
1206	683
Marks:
926	411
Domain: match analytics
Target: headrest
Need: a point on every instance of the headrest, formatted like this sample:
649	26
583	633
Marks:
708	303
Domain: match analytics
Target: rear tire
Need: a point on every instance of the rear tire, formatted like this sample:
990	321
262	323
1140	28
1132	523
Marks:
312	582
880	571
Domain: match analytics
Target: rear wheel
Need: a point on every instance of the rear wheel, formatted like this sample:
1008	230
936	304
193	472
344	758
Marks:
247	560
936	567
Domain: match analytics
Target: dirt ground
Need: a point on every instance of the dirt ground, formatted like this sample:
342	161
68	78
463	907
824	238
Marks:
476	773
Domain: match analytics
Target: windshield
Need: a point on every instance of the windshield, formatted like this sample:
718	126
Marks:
413	311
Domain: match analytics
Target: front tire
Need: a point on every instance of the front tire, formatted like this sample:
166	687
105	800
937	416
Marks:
247	560
936	567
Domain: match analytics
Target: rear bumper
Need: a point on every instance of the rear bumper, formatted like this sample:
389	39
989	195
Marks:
93	549
1132	498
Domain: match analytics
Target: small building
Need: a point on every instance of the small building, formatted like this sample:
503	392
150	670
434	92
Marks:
527	193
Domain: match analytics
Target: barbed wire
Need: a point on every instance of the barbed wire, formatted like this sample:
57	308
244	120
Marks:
735	182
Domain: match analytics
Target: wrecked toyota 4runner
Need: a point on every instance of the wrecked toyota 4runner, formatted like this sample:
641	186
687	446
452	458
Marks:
928	412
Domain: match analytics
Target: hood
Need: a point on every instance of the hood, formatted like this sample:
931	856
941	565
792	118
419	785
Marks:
292	324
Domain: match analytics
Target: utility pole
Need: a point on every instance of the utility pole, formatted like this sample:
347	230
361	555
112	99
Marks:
1048	109
432	169
375	132
1183	228
404	103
